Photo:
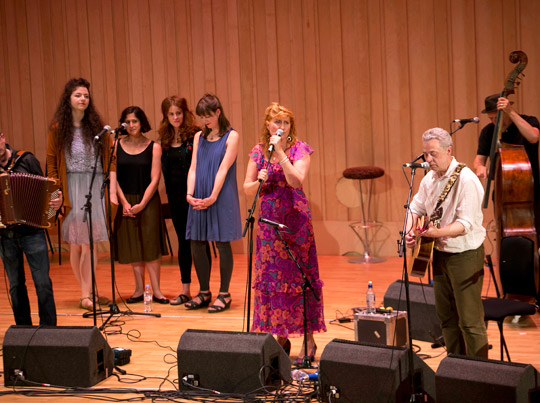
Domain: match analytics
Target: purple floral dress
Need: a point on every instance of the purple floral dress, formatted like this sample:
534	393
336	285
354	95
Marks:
278	304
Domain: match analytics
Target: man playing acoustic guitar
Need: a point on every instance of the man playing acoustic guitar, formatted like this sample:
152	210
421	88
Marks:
458	257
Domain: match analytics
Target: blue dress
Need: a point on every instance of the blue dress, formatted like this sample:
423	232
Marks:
221	221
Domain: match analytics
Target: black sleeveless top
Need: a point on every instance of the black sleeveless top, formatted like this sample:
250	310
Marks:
133	171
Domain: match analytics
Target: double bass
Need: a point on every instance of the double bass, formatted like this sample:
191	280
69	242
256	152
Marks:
511	172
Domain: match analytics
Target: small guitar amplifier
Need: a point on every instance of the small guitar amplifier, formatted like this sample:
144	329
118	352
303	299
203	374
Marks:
381	328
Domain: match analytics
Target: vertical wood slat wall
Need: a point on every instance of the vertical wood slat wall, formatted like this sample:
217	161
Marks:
364	77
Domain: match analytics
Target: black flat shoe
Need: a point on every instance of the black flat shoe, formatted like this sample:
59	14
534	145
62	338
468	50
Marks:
132	300
204	297
160	300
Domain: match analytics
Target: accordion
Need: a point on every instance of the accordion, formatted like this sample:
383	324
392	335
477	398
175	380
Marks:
24	199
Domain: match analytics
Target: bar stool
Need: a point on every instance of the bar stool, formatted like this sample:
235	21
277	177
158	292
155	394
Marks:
364	173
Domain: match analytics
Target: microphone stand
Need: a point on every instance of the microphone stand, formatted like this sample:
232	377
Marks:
306	285
416	393
249	226
113	308
88	217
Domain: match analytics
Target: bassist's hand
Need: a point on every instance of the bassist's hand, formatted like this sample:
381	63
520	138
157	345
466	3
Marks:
481	171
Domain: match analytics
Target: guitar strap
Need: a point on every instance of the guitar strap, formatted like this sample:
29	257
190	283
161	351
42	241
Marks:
451	181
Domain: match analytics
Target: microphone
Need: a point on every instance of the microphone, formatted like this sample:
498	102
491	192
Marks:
424	165
279	132
101	133
123	126
465	121
275	224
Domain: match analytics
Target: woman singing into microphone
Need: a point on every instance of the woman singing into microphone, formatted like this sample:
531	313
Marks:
278	303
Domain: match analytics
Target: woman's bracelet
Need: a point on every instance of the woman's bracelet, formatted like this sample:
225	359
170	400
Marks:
284	160
189	194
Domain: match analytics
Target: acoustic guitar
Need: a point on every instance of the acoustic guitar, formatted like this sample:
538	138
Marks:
423	252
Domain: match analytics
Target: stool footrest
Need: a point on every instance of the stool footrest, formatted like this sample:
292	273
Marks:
365	224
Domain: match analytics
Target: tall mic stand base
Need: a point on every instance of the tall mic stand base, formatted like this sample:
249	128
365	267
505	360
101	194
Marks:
366	259
306	364
113	310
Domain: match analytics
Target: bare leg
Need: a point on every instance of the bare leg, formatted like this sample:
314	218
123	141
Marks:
79	258
74	260
154	273
138	274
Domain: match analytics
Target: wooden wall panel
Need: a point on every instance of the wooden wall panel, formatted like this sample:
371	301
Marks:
364	77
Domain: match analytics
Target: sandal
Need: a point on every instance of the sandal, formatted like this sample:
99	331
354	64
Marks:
88	307
181	299
204	298
219	308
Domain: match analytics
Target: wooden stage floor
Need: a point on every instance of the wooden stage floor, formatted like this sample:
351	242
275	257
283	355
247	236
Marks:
154	341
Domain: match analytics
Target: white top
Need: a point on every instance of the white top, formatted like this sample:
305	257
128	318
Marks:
463	204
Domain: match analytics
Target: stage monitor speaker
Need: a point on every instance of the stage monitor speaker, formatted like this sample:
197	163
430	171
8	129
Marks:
76	356
231	362
351	371
468	379
424	323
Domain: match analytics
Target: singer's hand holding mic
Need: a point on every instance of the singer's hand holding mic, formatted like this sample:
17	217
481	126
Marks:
275	140
262	175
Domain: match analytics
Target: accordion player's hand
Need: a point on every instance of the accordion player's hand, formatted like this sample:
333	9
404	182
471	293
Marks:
57	203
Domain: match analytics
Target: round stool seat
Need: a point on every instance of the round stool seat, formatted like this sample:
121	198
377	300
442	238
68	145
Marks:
363	172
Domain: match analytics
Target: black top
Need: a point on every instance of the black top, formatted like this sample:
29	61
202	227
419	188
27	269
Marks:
134	171
26	163
512	136
175	163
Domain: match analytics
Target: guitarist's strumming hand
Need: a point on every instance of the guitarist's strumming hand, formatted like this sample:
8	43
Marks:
430	232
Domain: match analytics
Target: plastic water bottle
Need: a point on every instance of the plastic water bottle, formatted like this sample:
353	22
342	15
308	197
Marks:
299	376
370	299
147	298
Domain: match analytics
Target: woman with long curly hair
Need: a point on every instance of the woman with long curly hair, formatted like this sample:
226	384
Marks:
176	133
70	157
